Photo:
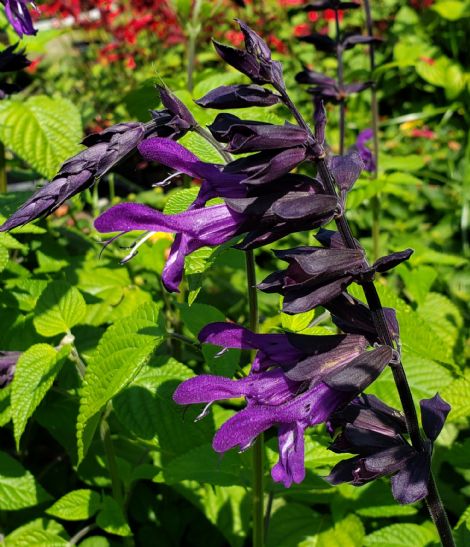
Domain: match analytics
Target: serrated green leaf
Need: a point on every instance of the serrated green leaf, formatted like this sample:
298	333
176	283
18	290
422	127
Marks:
111	519
37	533
5	406
58	309
291	525
457	394
43	131
179	200
146	408
76	505
121	353
401	535
18	487
418	281
35	373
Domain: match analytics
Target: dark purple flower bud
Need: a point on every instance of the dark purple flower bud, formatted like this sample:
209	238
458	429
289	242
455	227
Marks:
18	15
352	316
253	136
264	167
346	170
175	120
8	360
273	397
105	150
11	60
238	96
255	61
336	5
375	432
316	276
434	412
307	76
366	155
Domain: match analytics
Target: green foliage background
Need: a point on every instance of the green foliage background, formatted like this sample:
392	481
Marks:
104	346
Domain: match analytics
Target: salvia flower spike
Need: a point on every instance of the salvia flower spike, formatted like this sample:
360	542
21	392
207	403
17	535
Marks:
296	382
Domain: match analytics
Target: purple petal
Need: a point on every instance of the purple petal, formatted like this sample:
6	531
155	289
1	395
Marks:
386	263
238	96
290	467
366	155
211	225
311	408
410	484
19	17
434	412
346	169
362	371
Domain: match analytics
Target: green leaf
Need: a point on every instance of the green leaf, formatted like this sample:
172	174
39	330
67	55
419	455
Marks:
401	535
418	281
298	322
59	308
198	316
179	200
37	533
35	373
111	519
291	525
76	505
4	257
201	148
457	394
146	408
411	162
203	464
43	131
123	350
452	10
18	487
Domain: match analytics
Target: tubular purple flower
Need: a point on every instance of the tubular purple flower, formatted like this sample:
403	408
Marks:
366	155
215	183
18	15
197	228
296	381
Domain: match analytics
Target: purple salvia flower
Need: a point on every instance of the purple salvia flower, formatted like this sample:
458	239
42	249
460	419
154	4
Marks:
366	155
274	398
375	432
215	183
198	227
18	15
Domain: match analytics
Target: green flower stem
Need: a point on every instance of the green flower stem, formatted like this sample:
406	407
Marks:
375	201
258	446
194	27
3	171
340	74
105	433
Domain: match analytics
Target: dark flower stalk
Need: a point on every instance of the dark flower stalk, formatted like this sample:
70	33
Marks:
433	500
